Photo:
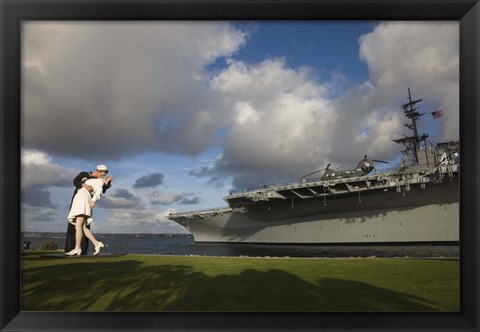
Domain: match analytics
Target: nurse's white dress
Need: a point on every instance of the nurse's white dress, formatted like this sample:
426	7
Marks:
83	200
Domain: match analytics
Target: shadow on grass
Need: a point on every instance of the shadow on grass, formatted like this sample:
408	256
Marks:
129	286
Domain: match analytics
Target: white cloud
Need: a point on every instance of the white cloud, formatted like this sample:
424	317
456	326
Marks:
421	55
159	198
115	89
37	214
162	220
276	112
38	170
285	124
146	220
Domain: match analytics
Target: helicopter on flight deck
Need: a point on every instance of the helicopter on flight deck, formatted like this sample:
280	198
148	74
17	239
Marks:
364	167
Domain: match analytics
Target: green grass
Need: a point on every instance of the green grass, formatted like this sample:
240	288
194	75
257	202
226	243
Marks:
171	283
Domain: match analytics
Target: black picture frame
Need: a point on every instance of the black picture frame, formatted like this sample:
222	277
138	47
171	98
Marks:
13	12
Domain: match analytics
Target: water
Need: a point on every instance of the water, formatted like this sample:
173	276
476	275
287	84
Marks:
185	246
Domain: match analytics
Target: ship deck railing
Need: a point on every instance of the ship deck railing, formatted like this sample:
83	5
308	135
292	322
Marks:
375	173
218	210
401	178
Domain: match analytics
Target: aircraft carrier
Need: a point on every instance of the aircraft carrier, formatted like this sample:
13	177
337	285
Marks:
418	202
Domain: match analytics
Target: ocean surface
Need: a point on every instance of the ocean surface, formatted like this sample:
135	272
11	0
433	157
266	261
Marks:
161	244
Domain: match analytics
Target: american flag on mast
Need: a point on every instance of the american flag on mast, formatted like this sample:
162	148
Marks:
437	114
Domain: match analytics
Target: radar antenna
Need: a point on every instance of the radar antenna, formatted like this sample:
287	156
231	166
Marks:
412	143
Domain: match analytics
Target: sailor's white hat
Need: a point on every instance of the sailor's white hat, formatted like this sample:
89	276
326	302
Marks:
102	168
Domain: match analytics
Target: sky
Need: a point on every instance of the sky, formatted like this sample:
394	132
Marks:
185	112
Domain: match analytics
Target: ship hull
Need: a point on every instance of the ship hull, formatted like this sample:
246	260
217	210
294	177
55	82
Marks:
423	214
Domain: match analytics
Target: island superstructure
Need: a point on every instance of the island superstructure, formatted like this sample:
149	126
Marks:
418	202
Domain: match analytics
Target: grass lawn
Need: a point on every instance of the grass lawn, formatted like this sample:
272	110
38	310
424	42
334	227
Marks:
173	283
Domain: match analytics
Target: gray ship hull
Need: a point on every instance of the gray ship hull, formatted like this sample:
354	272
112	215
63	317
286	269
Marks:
426	213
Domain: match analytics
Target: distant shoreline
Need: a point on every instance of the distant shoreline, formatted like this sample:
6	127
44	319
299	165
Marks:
58	235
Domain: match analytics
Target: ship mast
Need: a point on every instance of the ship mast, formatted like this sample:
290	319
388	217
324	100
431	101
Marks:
410	110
